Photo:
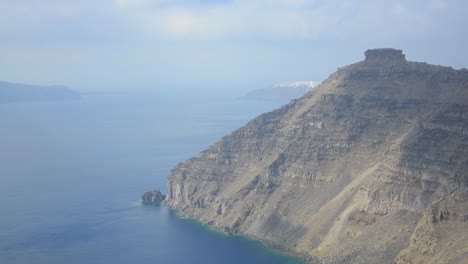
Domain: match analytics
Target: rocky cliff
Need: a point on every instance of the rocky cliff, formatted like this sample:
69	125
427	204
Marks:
369	167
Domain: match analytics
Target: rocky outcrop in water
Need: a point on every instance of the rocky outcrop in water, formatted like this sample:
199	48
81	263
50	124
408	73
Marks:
369	167
153	197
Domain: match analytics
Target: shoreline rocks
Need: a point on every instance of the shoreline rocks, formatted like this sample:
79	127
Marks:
153	197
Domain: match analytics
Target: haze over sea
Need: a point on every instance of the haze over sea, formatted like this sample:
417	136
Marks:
72	173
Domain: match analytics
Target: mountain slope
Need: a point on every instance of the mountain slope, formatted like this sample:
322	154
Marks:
369	167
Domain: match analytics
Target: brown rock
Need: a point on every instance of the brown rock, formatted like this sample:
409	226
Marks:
379	147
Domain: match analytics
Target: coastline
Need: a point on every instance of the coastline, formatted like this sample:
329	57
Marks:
270	247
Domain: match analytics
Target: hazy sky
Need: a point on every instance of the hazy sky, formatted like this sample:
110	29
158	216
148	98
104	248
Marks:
135	44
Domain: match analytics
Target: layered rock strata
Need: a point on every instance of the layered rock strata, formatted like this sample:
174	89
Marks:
369	167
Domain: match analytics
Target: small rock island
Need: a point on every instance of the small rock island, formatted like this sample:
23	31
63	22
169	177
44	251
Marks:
153	197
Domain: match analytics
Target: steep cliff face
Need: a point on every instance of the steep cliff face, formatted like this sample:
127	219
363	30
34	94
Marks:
369	167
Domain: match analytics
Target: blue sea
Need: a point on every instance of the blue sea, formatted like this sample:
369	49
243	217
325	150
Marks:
72	174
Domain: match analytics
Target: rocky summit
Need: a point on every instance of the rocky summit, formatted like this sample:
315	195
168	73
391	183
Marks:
369	167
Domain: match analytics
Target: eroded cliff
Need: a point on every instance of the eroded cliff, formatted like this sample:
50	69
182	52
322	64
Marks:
369	167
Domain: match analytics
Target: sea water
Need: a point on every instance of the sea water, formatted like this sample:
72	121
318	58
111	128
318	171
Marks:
72	173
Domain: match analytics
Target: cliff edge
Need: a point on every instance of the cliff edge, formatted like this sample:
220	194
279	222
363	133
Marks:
369	167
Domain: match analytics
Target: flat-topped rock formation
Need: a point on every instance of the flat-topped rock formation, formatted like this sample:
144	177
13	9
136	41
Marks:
384	54
369	167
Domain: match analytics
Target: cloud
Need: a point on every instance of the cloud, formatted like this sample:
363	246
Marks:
296	19
58	21
232	19
224	39
217	20
180	22
438	4
139	3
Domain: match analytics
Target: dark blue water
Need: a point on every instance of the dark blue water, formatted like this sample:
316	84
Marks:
71	174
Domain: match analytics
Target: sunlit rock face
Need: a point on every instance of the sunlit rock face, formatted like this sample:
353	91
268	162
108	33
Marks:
369	167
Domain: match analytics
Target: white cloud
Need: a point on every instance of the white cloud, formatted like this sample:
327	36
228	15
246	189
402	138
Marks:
438	4
138	3
241	18
302	19
179	22
297	2
227	20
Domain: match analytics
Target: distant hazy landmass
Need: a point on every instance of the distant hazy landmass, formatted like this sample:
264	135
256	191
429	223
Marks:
13	92
288	90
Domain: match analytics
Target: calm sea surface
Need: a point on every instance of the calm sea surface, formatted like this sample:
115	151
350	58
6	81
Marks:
72	173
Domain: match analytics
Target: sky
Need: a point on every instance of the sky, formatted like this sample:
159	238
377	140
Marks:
221	44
